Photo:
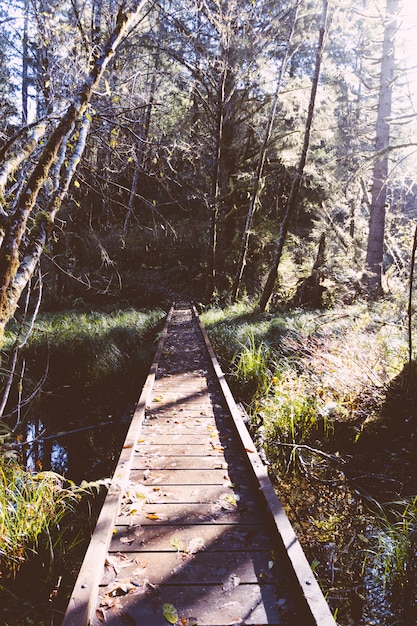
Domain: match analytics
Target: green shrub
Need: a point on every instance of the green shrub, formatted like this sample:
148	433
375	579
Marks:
29	505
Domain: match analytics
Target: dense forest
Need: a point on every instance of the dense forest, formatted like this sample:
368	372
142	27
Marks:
192	147
252	153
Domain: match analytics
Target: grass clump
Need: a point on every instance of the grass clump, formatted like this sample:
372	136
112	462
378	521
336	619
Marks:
29	505
99	350
395	560
100	343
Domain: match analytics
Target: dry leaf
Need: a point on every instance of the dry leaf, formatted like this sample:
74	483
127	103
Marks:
195	545
101	616
129	539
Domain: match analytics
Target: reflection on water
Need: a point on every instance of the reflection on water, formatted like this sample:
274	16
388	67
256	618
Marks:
64	436
44	452
59	459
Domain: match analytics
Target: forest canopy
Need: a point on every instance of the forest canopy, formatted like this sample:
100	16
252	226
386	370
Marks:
206	148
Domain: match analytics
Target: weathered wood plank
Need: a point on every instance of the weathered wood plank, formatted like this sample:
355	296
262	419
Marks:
173	538
192	513
207	605
180	476
162	461
208	568
178	449
191	527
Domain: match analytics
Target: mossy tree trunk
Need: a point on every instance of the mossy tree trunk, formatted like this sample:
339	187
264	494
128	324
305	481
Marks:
24	234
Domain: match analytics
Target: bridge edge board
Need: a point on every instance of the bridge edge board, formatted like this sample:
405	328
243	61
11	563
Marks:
310	588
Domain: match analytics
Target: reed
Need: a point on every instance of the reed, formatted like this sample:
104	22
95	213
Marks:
29	505
395	558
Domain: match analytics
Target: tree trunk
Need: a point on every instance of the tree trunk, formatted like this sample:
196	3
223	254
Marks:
375	246
140	150
215	176
20	154
260	167
295	187
310	292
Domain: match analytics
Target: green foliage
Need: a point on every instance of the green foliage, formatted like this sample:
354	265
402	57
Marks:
29	505
395	561
251	365
301	372
90	347
290	410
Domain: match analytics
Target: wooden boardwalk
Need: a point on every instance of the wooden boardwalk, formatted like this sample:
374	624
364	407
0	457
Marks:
191	531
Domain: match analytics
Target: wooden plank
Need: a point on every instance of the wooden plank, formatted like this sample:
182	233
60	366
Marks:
192	513
179	538
178	424
220	495
180	476
205	605
186	439
161	461
178	449
208	568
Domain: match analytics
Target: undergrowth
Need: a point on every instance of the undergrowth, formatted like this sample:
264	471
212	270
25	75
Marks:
29	505
315	386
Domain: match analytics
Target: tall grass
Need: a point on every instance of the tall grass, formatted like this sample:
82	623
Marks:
29	505
395	560
258	353
99	344
303	370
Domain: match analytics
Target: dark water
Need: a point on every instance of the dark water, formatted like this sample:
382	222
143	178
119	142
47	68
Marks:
78	433
82	449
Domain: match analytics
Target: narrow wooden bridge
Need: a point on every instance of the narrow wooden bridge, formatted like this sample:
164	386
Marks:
191	531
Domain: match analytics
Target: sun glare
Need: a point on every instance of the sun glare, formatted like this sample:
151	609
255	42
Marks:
406	44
